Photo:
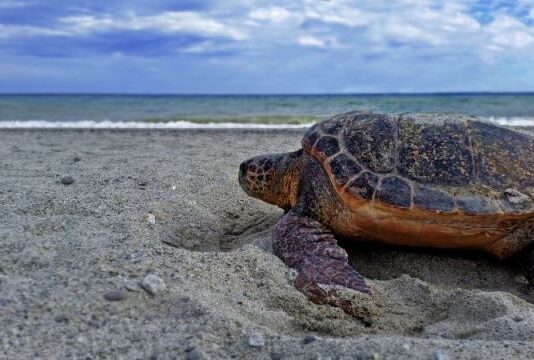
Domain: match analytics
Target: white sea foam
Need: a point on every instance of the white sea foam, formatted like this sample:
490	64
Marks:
89	124
511	121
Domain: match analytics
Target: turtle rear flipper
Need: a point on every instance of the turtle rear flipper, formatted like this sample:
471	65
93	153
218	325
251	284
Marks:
323	271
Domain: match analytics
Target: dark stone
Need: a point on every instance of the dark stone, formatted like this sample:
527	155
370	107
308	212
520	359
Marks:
427	197
67	180
437	153
364	185
327	145
61	318
308	339
370	138
343	168
114	295
395	191
76	159
193	354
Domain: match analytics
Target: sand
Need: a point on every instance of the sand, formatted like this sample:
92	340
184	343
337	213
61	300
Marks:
168	204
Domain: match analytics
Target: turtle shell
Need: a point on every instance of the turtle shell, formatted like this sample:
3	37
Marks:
434	162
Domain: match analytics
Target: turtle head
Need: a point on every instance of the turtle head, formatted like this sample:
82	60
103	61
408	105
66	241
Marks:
272	178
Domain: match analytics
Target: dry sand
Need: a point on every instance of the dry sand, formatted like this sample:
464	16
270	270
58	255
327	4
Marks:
63	247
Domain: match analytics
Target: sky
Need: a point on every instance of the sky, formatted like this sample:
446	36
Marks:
259	46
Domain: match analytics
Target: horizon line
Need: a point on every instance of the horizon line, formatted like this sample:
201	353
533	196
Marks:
436	93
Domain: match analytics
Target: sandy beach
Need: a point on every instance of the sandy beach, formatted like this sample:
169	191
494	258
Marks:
73	256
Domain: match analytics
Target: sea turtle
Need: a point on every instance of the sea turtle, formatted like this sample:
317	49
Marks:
435	180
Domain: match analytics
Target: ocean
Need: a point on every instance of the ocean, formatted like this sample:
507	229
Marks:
244	111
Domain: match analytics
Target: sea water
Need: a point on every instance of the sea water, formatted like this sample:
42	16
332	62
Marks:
245	111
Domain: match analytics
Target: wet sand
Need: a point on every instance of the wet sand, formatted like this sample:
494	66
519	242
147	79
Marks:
167	203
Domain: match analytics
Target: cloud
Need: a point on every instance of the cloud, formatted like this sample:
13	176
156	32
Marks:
8	31
167	22
509	33
311	41
273	14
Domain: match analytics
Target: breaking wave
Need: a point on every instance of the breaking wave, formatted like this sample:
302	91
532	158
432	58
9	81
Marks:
90	124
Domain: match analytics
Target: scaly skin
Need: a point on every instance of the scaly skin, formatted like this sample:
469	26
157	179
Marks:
310	248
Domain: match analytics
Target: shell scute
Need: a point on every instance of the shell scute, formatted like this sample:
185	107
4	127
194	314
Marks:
326	146
430	198
364	185
309	139
333	126
395	191
370	138
435	153
504	158
343	168
476	204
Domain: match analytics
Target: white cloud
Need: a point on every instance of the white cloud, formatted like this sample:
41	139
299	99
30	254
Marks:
166	22
323	11
311	41
337	13
427	25
8	31
407	33
273	14
509	33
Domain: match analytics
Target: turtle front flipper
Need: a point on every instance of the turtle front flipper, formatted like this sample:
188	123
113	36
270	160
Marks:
310	247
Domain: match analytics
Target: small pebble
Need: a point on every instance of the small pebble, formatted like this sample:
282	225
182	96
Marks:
256	341
440	355
193	354
143	185
308	339
518	318
406	346
61	318
67	180
114	295
150	218
76	159
153	284
364	356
